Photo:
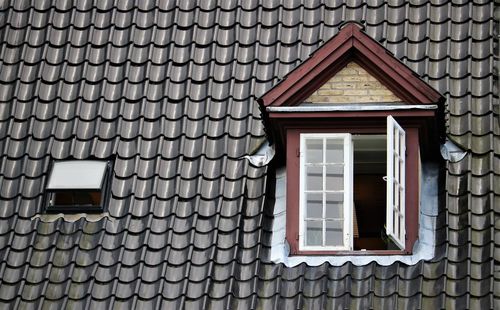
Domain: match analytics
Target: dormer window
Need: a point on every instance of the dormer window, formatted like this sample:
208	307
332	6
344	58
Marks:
353	146
76	186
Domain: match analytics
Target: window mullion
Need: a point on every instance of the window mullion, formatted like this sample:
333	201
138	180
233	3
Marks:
323	195
348	191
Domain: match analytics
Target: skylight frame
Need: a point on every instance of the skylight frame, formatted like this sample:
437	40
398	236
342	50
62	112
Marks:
102	190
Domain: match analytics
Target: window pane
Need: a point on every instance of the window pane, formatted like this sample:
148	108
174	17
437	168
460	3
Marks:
334	206
314	181
396	196
314	232
334	151
334	178
334	234
76	198
314	206
314	150
396	140
77	174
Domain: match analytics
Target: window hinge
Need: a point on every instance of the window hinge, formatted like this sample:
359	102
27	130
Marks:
297	152
297	237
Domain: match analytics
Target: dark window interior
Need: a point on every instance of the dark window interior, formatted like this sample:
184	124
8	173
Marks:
370	158
76	198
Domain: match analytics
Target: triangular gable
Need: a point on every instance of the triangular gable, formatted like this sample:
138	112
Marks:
352	84
350	44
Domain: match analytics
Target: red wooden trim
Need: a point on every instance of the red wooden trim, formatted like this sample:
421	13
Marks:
383	57
303	88
412	187
391	74
341	39
350	44
425	121
293	179
292	191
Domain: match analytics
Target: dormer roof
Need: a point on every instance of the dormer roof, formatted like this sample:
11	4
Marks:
351	44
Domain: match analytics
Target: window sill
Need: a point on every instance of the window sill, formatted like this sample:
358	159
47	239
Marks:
351	253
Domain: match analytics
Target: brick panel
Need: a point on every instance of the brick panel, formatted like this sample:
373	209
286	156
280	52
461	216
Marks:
353	84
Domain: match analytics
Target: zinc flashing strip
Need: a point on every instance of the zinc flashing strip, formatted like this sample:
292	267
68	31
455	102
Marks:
424	248
351	107
89	217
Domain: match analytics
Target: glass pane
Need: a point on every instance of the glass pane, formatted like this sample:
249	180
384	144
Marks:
334	151
314	205
396	141
314	181
314	150
334	235
397	222
77	174
334	178
401	143
314	232
334	206
76	198
396	196
401	226
402	172
395	167
397	174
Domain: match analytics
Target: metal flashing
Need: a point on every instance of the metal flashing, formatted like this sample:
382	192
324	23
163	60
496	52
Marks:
71	218
264	154
452	152
350	108
424	248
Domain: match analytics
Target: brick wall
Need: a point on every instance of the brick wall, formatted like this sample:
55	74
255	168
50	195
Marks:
352	84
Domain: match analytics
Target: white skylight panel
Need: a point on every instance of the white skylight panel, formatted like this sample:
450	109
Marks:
77	174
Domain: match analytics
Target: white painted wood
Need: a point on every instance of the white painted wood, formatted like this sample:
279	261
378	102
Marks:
347	191
396	149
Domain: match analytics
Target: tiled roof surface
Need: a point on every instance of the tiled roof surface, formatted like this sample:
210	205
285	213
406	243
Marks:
169	90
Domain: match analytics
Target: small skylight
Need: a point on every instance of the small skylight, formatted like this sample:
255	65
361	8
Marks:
77	186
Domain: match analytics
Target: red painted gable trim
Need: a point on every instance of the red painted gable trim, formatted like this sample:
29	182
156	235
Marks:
350	44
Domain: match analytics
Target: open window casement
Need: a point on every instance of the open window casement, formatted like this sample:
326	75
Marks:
325	192
334	168
396	150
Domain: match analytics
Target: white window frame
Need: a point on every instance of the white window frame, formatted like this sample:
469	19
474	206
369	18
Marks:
396	151
347	191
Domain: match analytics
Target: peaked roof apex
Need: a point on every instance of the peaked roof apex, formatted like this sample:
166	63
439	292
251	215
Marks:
350	44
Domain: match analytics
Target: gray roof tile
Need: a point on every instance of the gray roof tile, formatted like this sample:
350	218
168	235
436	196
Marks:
169	89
